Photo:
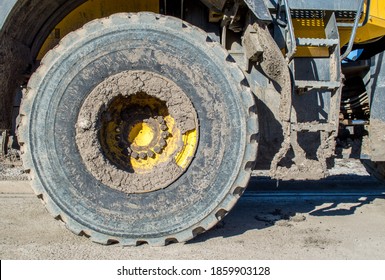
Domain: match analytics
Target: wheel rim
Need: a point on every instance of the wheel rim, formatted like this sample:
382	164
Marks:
145	126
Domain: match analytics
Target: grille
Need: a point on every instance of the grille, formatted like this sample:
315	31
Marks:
314	14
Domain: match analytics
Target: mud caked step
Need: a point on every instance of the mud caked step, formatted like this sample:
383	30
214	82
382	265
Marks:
313	127
308	85
316	42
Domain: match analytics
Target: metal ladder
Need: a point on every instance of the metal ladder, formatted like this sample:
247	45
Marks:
333	85
327	128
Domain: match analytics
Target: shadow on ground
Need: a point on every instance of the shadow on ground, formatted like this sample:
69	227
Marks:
266	203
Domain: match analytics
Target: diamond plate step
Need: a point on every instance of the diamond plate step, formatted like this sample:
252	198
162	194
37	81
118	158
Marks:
315	42
308	85
313	127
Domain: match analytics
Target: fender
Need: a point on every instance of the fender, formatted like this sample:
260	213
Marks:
24	24
8	49
258	7
217	5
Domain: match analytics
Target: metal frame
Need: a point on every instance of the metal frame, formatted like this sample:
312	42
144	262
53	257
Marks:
325	5
259	9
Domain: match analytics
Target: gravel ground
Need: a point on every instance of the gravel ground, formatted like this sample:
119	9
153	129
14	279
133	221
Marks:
12	171
338	218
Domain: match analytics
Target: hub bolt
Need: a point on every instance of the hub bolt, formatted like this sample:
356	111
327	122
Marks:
165	134
135	155
162	143
160	119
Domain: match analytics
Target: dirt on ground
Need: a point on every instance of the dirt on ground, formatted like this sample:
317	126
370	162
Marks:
12	172
342	217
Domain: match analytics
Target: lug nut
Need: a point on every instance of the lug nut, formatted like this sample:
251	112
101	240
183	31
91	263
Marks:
150	154
157	149
160	119
135	155
162	143
143	155
163	127
165	134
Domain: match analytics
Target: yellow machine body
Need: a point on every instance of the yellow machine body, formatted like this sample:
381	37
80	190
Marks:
314	28
304	28
93	9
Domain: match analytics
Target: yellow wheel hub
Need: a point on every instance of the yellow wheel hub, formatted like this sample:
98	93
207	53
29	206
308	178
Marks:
141	135
144	134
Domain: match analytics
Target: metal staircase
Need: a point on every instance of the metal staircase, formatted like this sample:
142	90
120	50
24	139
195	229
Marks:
327	81
332	68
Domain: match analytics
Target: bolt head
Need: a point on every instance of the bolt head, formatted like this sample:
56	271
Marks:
135	155
165	134
160	119
162	143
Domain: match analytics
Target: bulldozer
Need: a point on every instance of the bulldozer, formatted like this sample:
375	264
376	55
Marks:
140	122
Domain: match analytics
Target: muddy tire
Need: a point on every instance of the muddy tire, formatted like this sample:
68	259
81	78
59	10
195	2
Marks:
376	169
164	78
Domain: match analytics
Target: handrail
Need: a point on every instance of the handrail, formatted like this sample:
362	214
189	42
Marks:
354	31
293	42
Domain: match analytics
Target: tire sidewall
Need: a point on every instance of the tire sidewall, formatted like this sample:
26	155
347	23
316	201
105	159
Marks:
179	54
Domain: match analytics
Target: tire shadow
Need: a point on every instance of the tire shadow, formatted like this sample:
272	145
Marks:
264	205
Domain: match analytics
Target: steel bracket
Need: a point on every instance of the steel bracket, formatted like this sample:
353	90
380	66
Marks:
259	9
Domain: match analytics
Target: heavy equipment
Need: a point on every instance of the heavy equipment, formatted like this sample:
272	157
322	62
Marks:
141	121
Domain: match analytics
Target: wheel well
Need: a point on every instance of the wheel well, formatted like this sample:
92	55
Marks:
30	22
26	26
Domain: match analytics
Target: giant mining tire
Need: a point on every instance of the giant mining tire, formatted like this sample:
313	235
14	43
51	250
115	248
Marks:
138	128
